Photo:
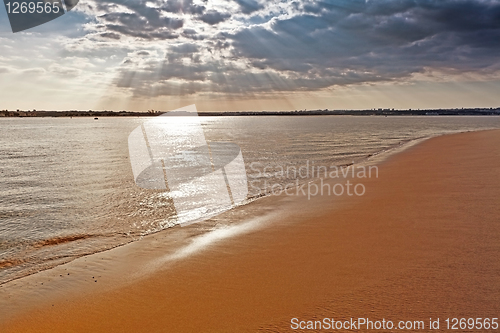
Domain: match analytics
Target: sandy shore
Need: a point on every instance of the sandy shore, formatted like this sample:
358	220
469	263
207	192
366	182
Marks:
424	242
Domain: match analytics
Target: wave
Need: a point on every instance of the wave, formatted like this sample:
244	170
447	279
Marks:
11	262
61	240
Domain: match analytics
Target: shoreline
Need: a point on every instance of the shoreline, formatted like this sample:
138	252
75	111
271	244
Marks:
374	159
371	112
301	234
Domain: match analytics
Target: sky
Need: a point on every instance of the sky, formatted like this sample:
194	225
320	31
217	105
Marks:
255	55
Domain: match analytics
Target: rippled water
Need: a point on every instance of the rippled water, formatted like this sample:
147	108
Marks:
66	185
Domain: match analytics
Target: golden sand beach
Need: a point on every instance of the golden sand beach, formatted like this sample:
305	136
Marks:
424	242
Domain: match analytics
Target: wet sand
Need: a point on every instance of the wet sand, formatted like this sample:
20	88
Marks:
424	242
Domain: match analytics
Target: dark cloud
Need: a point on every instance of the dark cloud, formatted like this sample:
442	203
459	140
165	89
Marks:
182	6
110	35
142	20
249	6
376	40
304	45
213	17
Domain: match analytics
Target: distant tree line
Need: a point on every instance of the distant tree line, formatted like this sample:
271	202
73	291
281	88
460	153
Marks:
371	112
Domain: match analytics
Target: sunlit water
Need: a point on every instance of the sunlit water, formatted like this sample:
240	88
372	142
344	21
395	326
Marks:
67	189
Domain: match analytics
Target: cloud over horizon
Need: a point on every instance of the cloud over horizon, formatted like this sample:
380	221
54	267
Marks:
249	47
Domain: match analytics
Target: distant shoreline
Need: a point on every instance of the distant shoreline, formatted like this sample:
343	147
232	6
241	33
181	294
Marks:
372	112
